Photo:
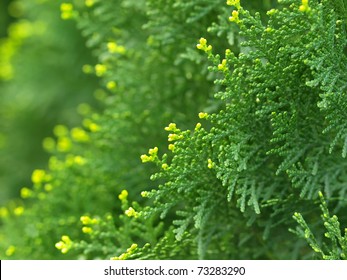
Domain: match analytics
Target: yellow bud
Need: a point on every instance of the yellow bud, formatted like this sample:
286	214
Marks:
86	220
18	211
198	126
48	187
203	115
60	130
164	166
234	17
10	251
87	230
111	85
131	212
171	127
145	158
100	70
79	135
87	69
64	144
4	212
25	193
153	151
38	176
222	66
66	239
48	144
89	3
144	194
123	195
235	3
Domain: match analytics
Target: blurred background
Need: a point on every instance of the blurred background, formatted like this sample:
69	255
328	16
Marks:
41	85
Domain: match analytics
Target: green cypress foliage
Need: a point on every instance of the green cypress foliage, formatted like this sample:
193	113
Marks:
245	129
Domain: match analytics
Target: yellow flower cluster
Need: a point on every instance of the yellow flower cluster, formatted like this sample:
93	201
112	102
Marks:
153	155
223	65
87	230
71	160
123	195
235	3
210	163
4	212
234	17
304	7
174	137
100	70
172	127
131	212
203	45
25	193
63	143
111	85
18	211
92	126
203	115
86	220
64	245
144	194
79	135
197	126
165	166
114	48
67	11
38	176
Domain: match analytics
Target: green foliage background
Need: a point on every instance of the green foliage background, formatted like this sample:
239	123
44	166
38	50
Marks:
245	131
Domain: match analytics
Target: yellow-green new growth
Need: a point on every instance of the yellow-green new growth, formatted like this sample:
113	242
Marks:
64	245
304	7
127	254
131	212
79	135
235	3
18	211
123	195
87	230
86	220
67	11
210	163
111	85
25	193
172	127
10	251
113	47
234	17
203	45
197	126
223	65
174	137
203	115
100	70
38	176
153	155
